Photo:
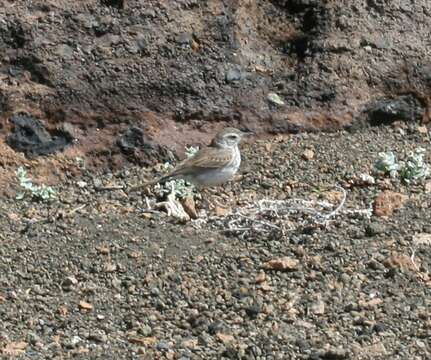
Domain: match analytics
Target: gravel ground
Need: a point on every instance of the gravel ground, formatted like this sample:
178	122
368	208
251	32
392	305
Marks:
91	276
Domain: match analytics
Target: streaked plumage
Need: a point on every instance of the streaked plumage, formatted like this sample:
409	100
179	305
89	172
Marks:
213	165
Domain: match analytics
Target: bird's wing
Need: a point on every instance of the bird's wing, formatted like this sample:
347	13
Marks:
205	158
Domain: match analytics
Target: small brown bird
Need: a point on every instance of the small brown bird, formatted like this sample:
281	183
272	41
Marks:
212	165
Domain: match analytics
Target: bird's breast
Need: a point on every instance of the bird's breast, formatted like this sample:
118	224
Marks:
218	176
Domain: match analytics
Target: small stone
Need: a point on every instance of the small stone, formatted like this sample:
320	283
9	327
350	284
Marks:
422	130
82	184
333	196
283	263
266	185
149	13
268	309
104	250
302	344
331	354
109	267
402	261
163	345
421	344
225	338
83	305
64	51
318	307
215	327
373	351
145	330
422	239
275	99
142	44
428	187
184	39
387	202
154	291
140	340
260	278
33	338
195	45
97	337
365	180
379	327
190	343
97	183
62	310
265	287
221	211
13	216
233	75
253	310
308	155
75	340
70	281
189	206
370	304
374	229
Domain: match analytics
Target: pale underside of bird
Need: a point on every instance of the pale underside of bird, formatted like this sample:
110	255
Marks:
209	167
213	165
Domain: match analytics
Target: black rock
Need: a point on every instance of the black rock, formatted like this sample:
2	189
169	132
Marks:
215	327
140	149
131	139
119	4
253	310
379	327
329	355
230	353
386	111
30	137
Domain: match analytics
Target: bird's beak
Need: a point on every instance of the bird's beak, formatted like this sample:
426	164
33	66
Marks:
247	132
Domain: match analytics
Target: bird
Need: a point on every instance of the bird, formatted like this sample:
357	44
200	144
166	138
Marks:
213	165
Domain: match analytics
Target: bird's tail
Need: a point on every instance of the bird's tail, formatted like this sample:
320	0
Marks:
147	184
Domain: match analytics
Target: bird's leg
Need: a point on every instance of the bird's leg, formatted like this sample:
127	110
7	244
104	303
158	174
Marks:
204	200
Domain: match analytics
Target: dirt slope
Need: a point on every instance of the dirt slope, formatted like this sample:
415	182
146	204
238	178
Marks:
171	67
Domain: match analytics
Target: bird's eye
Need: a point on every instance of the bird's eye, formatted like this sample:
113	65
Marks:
233	137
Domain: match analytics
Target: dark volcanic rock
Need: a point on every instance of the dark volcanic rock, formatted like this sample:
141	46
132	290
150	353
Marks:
30	137
131	139
386	111
140	149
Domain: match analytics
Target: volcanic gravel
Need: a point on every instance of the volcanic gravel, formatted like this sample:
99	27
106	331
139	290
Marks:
91	275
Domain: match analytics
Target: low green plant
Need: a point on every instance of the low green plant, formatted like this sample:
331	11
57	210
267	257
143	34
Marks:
34	192
191	151
167	167
415	168
80	162
410	171
387	164
180	187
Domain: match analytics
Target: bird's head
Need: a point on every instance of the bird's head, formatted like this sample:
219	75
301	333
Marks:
228	138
